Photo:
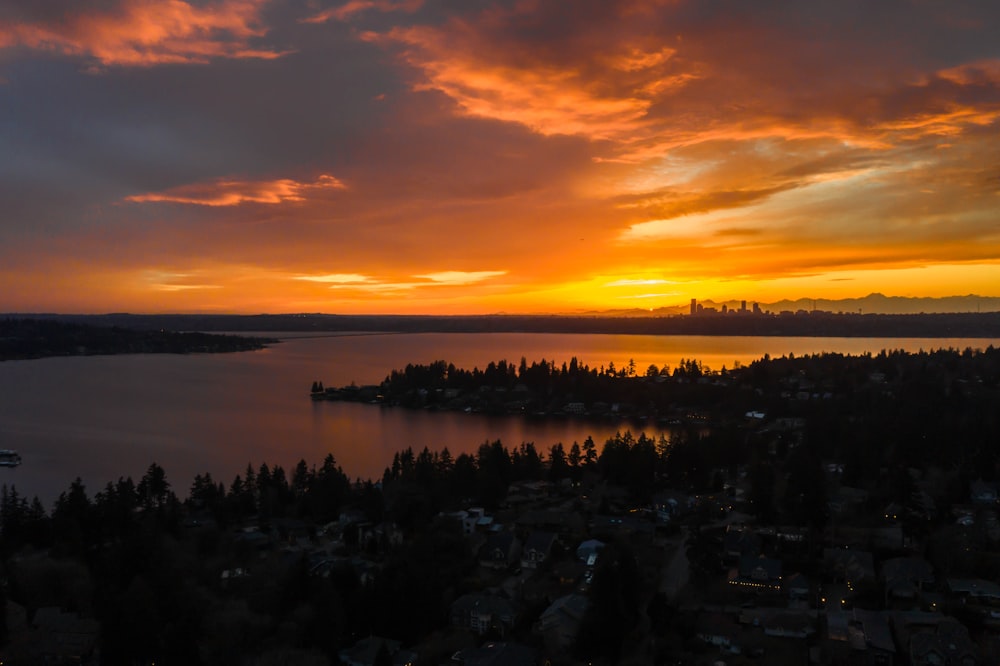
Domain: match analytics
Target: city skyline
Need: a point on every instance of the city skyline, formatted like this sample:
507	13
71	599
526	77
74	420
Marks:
433	157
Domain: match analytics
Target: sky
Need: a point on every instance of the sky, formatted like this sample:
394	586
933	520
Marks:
479	156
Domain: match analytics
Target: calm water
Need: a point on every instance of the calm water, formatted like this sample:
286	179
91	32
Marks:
102	417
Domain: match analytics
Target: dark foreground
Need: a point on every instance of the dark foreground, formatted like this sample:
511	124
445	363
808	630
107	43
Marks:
837	510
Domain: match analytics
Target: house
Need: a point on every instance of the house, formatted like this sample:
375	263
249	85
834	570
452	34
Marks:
496	654
482	613
588	551
254	539
537	549
381	537
669	504
719	630
64	637
982	492
975	588
948	645
367	652
474	519
626	525
525	493
790	534
500	551
738	543
560	622
563	523
846	499
861	637
568	572
757	574
478	521
788	625
905	577
797	587
850	566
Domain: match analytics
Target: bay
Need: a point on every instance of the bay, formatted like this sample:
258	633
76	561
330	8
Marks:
102	417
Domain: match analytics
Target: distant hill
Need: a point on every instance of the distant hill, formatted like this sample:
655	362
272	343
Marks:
787	323
871	304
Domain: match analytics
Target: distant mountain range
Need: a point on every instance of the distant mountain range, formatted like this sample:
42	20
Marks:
871	304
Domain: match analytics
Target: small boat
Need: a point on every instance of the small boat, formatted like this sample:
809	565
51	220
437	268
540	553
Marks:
9	458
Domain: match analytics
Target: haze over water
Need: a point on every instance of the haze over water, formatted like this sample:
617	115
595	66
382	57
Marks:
102	417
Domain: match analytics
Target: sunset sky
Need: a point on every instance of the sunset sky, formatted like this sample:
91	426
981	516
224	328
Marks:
479	156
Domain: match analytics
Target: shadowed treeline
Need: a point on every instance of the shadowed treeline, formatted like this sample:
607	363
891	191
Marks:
38	338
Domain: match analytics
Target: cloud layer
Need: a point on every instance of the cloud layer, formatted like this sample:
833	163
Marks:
410	155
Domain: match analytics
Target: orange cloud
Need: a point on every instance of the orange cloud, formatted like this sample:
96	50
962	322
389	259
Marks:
549	98
235	192
626	76
350	9
148	32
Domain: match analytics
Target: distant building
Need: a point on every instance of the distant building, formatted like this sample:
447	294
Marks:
694	306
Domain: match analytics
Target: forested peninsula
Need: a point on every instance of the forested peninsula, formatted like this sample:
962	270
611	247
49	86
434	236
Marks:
689	392
38	338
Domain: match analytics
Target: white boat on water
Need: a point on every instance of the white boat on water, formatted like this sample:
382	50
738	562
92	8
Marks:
9	458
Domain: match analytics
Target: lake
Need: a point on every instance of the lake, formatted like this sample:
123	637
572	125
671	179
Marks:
101	417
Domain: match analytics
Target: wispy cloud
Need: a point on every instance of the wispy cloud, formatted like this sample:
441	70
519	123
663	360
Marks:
387	285
336	278
348	10
637	283
460	277
173	281
230	192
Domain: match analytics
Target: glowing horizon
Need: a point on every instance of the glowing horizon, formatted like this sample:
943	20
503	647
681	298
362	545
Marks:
417	157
